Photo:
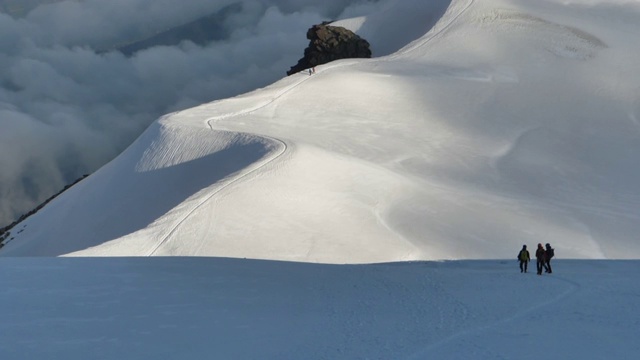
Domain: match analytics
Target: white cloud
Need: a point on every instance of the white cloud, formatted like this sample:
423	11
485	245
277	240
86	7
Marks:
73	108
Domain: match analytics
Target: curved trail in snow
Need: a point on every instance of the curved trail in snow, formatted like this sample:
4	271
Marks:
285	146
265	162
209	121
572	288
420	43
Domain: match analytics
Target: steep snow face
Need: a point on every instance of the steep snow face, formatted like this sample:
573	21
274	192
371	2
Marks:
398	23
167	170
508	123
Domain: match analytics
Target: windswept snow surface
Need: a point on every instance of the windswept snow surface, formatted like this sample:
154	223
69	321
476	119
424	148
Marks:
509	122
213	308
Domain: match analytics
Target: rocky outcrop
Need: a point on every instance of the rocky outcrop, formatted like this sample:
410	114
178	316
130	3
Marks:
329	43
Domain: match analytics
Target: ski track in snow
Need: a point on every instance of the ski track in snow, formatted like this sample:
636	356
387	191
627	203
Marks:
166	238
572	288
266	162
423	42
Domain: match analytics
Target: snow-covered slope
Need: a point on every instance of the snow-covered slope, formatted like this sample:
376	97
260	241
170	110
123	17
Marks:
212	308
508	122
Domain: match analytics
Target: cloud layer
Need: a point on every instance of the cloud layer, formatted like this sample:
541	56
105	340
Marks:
66	108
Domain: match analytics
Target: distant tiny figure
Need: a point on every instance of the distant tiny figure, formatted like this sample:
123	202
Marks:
549	254
312	70
524	258
541	258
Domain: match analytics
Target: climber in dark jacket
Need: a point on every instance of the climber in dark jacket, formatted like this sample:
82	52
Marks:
549	253
541	258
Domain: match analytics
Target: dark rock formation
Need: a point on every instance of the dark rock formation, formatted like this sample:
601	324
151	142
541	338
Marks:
329	43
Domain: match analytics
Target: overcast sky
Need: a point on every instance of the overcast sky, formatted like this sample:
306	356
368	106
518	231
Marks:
66	109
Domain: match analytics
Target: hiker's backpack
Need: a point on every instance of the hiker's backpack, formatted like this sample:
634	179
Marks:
551	254
522	256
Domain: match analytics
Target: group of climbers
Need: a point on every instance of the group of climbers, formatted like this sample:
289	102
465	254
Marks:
543	258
